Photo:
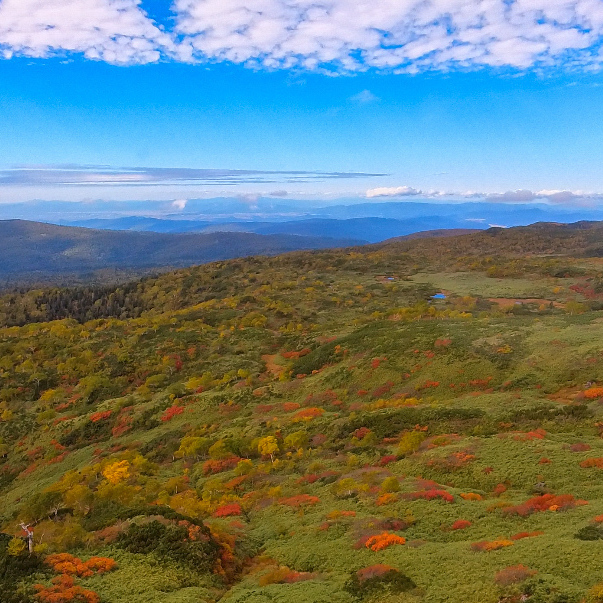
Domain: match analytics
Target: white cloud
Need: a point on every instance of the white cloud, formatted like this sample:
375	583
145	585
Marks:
364	97
562	197
408	35
328	35
115	31
392	191
179	204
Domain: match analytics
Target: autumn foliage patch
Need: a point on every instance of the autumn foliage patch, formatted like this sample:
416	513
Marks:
64	590
383	541
545	502
64	563
228	510
460	524
301	500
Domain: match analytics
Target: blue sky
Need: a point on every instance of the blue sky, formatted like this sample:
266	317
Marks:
514	103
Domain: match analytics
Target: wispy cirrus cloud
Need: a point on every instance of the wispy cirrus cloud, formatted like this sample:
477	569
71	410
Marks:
74	175
329	35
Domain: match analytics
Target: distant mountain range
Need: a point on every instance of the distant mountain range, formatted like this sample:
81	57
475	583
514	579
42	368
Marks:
370	222
367	230
33	249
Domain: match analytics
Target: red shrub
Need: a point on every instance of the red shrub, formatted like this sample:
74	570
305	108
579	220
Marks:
430	495
537	434
171	412
299	500
499	489
545	502
289	406
228	510
217	466
383	389
460	524
521	535
579	447
387	459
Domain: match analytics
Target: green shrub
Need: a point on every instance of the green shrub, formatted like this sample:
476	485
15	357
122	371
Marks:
172	542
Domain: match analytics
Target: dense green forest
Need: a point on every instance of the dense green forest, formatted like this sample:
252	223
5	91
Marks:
312	427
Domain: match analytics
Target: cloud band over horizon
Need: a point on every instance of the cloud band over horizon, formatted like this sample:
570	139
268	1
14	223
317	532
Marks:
147	176
334	36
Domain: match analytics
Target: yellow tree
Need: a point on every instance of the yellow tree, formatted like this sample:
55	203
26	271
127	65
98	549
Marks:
268	446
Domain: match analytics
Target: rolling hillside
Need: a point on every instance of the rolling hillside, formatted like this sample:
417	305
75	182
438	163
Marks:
312	427
30	249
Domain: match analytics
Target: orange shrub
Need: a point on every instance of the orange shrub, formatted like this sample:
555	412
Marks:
383	541
65	563
492	545
471	496
64	590
290	406
99	416
100	565
521	535
299	500
386	499
307	414
592	462
593	393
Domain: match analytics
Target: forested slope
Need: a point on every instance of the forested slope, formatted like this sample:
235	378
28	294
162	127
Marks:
312	427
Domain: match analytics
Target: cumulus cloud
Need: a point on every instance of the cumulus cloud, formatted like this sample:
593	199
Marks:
408	36
179	204
391	191
115	31
331	35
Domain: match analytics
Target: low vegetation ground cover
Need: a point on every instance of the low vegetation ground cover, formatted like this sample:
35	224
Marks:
302	428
